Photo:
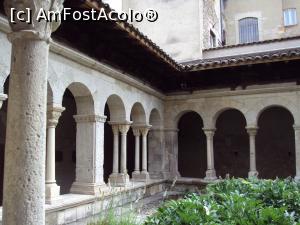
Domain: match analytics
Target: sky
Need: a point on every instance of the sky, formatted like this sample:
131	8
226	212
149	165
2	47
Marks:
114	4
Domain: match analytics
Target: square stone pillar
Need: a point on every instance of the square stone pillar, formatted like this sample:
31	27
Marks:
158	164
171	145
297	149
89	154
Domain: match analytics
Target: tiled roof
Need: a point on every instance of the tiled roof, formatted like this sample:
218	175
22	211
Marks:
253	43
255	58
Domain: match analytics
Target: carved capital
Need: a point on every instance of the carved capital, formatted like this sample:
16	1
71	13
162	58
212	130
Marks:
252	131
31	10
145	129
124	128
53	114
209	132
115	129
136	131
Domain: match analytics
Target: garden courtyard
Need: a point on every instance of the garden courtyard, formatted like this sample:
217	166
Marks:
229	201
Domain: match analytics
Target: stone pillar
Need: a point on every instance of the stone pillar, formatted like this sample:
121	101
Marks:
297	149
121	179
89	154
52	190
171	145
252	131
211	172
144	173
115	129
24	178
137	135
158	164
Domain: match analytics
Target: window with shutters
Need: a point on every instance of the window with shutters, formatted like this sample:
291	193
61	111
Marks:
248	30
290	17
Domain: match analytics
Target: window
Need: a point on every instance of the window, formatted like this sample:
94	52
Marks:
290	17
213	40
248	30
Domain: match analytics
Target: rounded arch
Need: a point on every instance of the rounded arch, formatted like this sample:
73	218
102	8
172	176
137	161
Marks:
219	112
182	113
83	98
275	143
138	115
231	143
155	118
116	108
274	106
191	145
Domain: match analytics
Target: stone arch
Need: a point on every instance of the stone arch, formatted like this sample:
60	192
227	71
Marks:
155	119
138	115
183	112
116	108
264	108
83	97
231	143
224	109
192	155
275	142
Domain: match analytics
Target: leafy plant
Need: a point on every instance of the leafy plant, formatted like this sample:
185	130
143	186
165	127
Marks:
235	202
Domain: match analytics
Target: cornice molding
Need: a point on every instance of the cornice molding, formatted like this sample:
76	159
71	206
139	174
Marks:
227	93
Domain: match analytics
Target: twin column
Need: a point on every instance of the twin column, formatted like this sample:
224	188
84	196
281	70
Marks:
138	175
119	176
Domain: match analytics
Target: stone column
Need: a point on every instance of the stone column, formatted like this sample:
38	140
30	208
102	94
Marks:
144	173
52	190
252	131
137	135
115	129
24	178
297	149
89	154
124	128
211	172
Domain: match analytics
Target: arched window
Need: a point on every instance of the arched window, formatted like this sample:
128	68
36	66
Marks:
248	30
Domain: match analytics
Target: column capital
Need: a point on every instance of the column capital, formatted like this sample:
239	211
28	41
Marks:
136	131
209	132
53	114
145	129
124	128
32	28
252	130
89	118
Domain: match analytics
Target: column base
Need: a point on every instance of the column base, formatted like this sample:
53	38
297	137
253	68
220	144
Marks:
119	180
253	174
297	178
210	175
87	188
142	176
52	193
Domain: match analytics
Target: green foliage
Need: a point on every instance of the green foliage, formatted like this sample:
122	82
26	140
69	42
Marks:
110	218
235	202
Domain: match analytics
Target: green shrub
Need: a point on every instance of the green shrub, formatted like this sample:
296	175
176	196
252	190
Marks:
235	202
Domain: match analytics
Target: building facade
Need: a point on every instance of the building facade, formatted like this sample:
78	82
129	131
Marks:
115	111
